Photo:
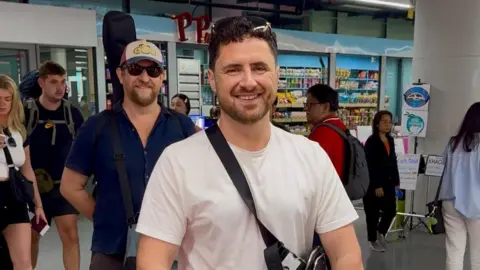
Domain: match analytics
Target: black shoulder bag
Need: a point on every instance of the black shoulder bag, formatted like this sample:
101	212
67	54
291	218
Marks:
130	262
22	188
277	256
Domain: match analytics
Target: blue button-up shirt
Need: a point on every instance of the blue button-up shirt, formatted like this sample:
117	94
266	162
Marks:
461	182
92	153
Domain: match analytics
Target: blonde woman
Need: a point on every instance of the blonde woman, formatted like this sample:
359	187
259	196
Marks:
14	218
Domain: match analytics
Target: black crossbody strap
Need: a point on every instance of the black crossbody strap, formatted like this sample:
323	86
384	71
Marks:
237	176
441	178
119	157
8	156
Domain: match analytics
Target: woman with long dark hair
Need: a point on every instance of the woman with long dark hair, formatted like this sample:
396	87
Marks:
460	192
384	180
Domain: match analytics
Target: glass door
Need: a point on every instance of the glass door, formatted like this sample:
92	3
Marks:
16	60
78	62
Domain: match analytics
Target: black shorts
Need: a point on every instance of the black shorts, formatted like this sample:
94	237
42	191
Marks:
55	205
11	211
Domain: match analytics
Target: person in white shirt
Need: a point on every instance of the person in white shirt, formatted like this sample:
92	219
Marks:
191	205
15	221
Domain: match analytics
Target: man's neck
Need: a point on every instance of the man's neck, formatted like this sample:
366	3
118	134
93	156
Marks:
250	137
47	104
135	111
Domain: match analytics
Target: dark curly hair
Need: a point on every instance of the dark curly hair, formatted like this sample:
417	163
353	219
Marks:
185	100
237	29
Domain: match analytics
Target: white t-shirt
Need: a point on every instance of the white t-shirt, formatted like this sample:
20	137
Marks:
17	153
190	201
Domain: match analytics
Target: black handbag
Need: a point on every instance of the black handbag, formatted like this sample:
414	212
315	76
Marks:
22	188
435	208
277	256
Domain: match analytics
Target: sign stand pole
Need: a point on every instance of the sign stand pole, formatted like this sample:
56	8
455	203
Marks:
420	218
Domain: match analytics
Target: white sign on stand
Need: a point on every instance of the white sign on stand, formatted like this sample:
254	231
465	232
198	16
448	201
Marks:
416	100
434	166
408	166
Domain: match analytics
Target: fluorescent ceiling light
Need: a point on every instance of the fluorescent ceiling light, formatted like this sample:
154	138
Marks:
386	3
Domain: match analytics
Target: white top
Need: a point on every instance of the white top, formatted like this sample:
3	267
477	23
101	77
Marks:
17	153
190	201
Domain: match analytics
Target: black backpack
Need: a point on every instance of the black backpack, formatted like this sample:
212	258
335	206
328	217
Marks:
29	87
32	119
356	175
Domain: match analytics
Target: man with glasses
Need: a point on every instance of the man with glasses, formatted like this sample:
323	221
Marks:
321	107
192	206
145	128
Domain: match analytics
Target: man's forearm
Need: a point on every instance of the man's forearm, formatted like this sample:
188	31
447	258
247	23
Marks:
348	262
82	201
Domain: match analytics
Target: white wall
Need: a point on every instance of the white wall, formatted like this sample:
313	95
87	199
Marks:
46	25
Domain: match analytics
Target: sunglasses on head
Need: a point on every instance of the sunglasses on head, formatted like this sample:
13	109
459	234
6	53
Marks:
259	23
137	70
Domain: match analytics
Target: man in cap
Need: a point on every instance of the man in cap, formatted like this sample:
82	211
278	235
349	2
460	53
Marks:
145	128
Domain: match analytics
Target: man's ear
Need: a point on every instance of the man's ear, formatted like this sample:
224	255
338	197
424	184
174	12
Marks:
41	82
119	74
211	80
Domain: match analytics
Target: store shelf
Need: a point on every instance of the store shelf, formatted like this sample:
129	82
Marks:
304	133
292	88
358	105
296	105
356	89
290	120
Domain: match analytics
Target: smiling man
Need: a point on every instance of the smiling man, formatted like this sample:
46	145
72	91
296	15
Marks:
191	205
144	128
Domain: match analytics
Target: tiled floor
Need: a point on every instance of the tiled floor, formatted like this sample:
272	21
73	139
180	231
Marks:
420	251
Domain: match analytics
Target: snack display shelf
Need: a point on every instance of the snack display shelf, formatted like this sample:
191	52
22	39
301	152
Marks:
342	105
358	105
303	133
290	120
296	105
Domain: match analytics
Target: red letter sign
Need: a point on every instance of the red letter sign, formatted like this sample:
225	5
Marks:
203	23
184	20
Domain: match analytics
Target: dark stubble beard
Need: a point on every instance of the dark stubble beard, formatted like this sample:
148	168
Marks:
238	115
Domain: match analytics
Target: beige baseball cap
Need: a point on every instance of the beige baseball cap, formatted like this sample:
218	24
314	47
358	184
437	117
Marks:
141	50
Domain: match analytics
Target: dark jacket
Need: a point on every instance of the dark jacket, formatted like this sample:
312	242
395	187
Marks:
382	167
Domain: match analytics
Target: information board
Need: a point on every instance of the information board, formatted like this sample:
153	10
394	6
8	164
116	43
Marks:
416	100
434	166
408	166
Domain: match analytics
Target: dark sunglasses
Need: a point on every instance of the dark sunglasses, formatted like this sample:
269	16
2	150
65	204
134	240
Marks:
259	23
137	70
10	140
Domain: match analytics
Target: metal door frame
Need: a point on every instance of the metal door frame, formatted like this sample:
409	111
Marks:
31	52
